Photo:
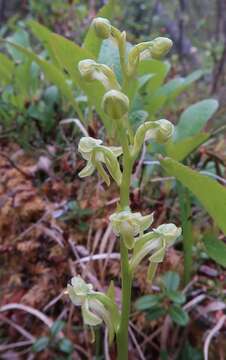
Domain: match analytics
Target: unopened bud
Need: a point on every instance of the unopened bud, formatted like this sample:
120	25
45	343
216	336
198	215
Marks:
102	27
160	47
164	131
87	68
115	104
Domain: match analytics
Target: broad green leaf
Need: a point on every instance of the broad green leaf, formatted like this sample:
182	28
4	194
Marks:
52	73
210	193
158	69
176	296
147	301
171	281
156	312
20	37
6	69
216	249
67	55
181	149
194	76
109	55
178	315
44	35
92	43
193	119
169	91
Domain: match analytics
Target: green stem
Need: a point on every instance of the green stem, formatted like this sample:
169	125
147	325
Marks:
126	178
126	274
122	335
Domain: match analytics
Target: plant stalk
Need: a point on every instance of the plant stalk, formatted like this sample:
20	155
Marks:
122	335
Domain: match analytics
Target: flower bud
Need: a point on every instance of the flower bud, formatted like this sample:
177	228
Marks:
160	47
168	232
163	132
86	146
87	68
79	290
102	27
129	225
115	104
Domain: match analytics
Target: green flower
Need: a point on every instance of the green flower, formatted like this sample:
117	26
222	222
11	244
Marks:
160	131
115	104
93	305
160	47
154	49
155	242
90	70
102	27
168	232
97	155
129	225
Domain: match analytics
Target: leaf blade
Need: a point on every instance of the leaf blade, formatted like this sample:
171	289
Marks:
193	119
211	194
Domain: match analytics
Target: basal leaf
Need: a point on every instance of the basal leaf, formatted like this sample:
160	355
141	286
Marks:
169	91
63	52
181	149
210	193
193	119
6	69
159	70
52	73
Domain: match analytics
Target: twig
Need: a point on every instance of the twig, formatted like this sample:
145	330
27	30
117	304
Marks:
140	164
213	332
92	278
25	232
217	177
134	340
106	346
14	345
53	302
165	332
19	328
194	301
78	123
115	256
45	319
26	175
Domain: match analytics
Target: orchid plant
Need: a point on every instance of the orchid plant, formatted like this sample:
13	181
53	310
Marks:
116	163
